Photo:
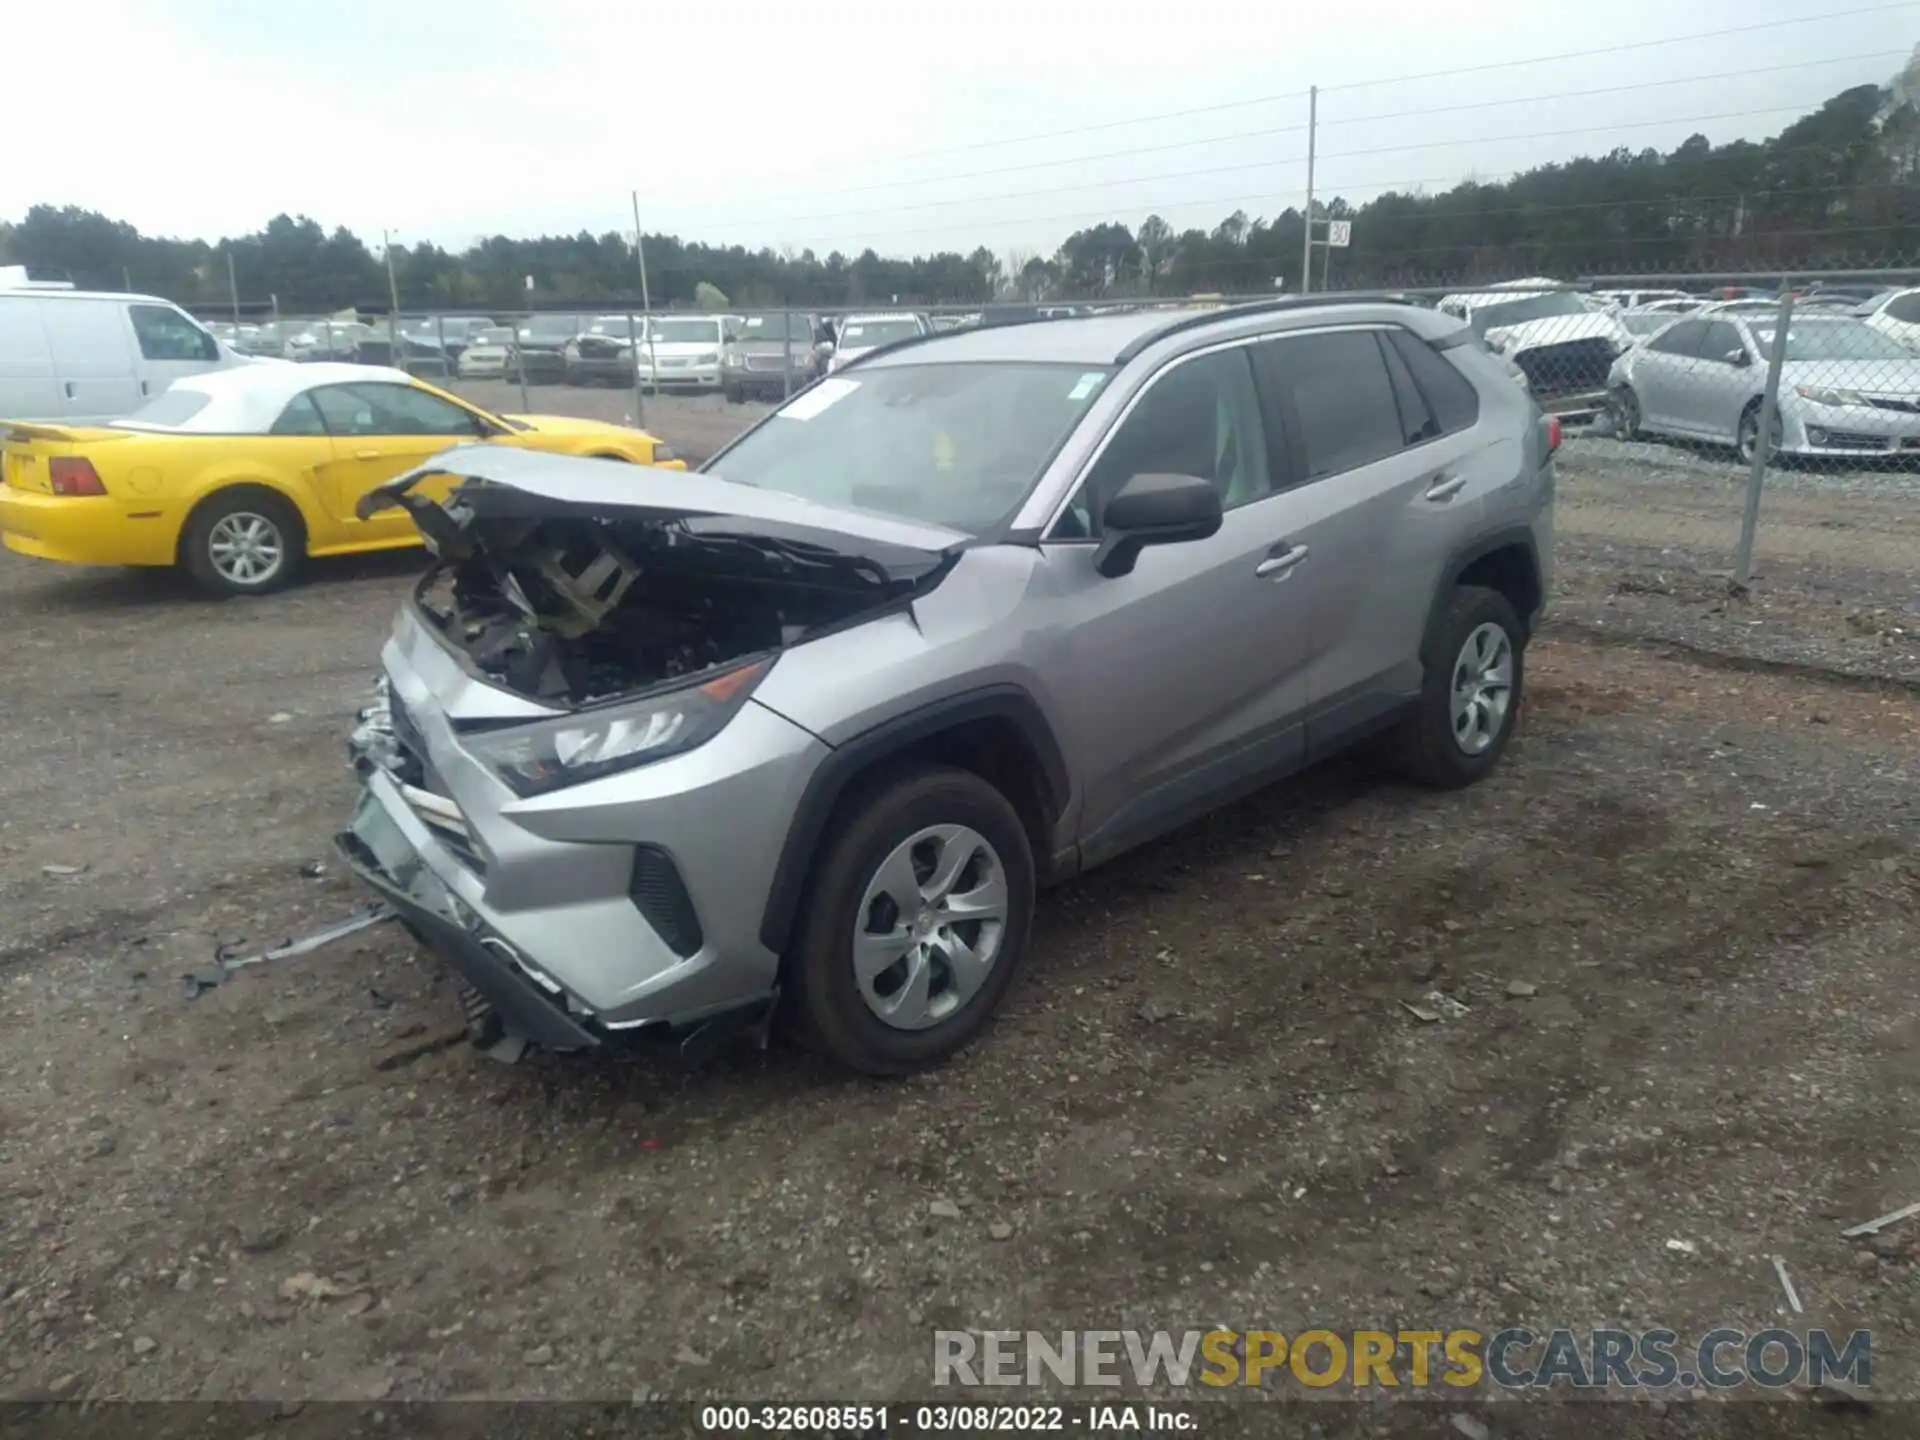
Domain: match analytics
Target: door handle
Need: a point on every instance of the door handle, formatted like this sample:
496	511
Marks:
1280	564
70	389
366	454
143	387
1445	487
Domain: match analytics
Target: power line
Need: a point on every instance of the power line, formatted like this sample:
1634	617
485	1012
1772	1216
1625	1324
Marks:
1296	159
1222	107
1342	155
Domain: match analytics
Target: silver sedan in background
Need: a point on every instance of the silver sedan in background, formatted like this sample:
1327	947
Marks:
1845	388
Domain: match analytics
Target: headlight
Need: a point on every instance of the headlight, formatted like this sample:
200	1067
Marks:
1821	395
663	453
551	754
710	357
735	361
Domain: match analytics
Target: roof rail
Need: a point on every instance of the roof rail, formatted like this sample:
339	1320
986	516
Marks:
1280	303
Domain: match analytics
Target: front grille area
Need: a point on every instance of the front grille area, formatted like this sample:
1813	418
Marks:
774	363
1904	404
663	900
1568	368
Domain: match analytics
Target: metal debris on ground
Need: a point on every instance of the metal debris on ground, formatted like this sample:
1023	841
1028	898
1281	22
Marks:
1683	1247
62	872
1435	1005
1471	1428
1793	1297
1522	989
210	977
1879	1223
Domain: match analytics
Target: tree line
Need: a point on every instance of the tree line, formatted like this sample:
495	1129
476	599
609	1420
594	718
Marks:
1837	189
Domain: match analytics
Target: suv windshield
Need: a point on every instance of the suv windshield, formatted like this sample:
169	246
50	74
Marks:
863	333
494	335
619	325
956	445
686	332
1832	340
550	327
775	327
1532	307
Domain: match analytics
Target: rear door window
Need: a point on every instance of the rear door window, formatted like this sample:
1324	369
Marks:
1336	390
1681	340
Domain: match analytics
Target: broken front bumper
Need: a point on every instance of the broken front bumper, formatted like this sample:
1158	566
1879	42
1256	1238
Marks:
391	861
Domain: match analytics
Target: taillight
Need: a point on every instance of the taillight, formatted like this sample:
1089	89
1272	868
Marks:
74	475
1553	433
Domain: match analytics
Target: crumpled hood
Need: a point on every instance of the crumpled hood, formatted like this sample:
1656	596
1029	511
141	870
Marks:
565	424
1558	330
500	483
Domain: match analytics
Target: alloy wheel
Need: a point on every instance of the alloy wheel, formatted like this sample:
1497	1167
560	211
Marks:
1482	688
247	549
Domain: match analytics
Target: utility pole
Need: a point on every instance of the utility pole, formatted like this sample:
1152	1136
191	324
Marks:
1306	244
646	300
233	289
393	297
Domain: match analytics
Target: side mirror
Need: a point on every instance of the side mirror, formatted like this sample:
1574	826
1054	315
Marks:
1739	359
823	349
1154	509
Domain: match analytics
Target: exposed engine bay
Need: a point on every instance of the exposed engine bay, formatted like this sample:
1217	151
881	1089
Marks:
572	611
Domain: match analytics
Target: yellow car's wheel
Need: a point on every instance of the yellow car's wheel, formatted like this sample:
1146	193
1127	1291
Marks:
243	541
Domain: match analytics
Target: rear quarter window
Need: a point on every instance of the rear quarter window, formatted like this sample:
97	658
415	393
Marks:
1454	401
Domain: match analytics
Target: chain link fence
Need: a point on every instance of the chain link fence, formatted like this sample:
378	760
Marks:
1741	468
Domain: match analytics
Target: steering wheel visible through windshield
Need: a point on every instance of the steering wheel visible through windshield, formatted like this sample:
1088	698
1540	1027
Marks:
955	445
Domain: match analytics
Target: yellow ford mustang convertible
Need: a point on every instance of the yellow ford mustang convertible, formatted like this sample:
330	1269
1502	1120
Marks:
238	475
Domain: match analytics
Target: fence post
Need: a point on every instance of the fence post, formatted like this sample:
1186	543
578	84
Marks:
1763	447
440	336
786	357
639	393
520	364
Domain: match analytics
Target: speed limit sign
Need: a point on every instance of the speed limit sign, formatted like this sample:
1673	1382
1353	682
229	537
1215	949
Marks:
1340	233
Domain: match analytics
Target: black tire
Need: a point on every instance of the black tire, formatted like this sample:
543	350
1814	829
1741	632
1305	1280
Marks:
1424	747
1747	436
830	1012
243	502
735	395
1625	406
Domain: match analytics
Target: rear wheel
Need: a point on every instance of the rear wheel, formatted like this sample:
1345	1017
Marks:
1475	664
915	921
243	542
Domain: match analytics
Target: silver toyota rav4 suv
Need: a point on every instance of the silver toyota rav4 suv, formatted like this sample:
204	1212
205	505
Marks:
803	732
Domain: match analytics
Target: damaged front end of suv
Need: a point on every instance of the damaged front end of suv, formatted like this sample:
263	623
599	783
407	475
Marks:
564	769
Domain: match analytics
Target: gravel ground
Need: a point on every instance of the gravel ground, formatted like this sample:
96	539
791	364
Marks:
1203	1105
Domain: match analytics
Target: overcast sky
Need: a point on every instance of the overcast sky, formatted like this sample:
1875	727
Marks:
838	124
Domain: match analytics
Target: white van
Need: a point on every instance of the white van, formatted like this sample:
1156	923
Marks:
83	357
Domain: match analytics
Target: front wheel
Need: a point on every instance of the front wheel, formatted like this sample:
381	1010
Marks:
1475	663
915	922
1748	436
1625	406
244	542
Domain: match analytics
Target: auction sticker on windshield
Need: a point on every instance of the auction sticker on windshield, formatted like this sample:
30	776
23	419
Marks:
809	403
1088	383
